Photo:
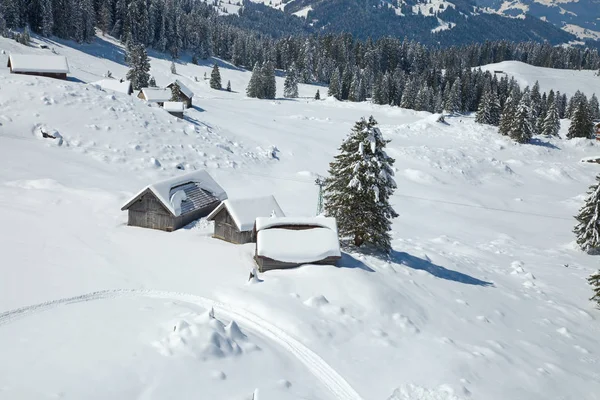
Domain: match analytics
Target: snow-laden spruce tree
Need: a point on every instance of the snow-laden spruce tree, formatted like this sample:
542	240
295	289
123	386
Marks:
521	130
488	111
582	125
215	78
359	186
229	86
173	68
454	101
594	281
551	124
588	226
268	80
318	95
254	88
139	65
334	85
290	86
176	94
594	107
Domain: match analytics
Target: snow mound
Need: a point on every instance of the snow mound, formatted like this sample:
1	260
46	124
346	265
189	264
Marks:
414	392
204	338
317	301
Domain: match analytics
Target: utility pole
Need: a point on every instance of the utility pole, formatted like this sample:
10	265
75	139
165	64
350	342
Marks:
320	182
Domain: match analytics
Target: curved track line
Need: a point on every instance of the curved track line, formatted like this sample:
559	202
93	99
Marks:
334	382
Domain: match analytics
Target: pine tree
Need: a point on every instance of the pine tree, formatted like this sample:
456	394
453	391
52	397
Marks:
176	94
318	95
359	186
229	86
290	86
485	114
522	128
173	68
594	281
268	80
582	125
594	107
215	78
454	102
152	82
551	125
334	85
139	65
105	18
588	218
254	88
47	17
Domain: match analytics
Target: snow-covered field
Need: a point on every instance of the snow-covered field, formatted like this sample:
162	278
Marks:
475	302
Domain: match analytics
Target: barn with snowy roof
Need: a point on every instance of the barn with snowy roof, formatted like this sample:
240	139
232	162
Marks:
290	242
185	95
155	95
115	85
38	65
234	219
174	203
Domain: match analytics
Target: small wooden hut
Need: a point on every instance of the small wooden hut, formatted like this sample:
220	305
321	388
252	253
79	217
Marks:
291	242
597	131
186	93
115	85
48	66
175	202
155	95
234	219
174	108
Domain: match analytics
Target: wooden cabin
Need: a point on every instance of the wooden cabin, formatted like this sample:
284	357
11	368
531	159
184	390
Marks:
597	131
155	95
290	242
174	203
175	108
186	93
234	219
115	85
48	66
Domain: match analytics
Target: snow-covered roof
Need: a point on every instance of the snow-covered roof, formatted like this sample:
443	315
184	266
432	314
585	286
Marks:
298	246
245	211
114	85
194	185
184	89
324	222
174	106
156	95
37	63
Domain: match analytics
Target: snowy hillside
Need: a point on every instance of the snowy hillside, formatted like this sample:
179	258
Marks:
475	302
566	81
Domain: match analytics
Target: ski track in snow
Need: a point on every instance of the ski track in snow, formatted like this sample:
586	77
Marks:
334	382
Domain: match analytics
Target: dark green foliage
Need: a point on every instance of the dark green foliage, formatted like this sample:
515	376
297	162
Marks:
588	220
359	186
215	78
582	125
594	281
334	85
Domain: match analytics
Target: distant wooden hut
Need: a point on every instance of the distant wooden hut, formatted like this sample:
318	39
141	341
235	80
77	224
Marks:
186	93
597	130
174	108
115	85
155	95
48	66
234	219
291	242
174	203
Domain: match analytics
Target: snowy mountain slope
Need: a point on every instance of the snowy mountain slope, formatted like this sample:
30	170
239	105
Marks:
475	301
566	81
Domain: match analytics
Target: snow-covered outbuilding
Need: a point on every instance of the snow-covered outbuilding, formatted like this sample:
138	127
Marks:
155	95
174	108
116	85
234	219
289	242
186	93
173	203
48	66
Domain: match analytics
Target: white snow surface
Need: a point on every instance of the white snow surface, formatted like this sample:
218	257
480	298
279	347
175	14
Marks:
297	246
84	298
272	222
163	188
39	63
245	211
155	95
114	85
176	199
